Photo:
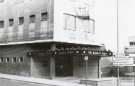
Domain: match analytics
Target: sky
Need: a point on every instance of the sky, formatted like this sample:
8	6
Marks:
106	22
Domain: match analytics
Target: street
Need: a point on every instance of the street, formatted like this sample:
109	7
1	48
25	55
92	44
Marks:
127	83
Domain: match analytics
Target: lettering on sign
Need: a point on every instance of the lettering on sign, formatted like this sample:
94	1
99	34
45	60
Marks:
123	61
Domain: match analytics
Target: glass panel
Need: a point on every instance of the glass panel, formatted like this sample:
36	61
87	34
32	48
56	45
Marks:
32	30
1	24
79	24
91	26
10	33
44	16
32	18
21	20
43	29
11	22
1	34
20	32
70	22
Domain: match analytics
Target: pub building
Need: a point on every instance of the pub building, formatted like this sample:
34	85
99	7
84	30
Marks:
48	38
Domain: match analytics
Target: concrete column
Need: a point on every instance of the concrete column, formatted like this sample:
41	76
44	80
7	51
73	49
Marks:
50	25
99	68
52	63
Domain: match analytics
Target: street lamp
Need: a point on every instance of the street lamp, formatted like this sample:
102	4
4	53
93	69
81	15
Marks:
86	68
118	75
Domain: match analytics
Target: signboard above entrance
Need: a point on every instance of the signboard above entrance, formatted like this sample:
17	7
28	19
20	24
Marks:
73	52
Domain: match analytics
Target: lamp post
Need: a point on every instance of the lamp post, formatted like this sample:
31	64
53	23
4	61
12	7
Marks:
133	70
86	68
118	69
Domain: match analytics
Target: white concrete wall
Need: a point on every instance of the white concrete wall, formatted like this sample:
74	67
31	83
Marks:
72	36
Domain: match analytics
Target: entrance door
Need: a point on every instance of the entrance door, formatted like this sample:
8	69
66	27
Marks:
64	66
40	66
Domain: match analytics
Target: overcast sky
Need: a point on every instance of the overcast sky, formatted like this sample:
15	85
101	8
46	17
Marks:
105	16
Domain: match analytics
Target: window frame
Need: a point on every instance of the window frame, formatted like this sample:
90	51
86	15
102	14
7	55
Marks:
44	16
7	60
14	60
32	18
21	20
66	22
2	24
11	22
1	59
21	59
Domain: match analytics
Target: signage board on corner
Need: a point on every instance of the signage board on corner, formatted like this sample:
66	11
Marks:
123	61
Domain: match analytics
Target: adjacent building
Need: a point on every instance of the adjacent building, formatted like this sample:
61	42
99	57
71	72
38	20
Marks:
130	50
48	38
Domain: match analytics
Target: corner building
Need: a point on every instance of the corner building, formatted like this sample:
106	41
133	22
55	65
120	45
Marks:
48	38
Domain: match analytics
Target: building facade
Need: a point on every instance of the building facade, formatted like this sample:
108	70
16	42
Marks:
130	50
48	38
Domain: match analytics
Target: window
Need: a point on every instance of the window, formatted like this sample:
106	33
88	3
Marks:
132	43
32	18
70	22
21	20
11	22
14	59
1	59
7	59
21	59
44	16
92	26
1	24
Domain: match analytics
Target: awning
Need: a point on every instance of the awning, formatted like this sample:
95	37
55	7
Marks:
73	52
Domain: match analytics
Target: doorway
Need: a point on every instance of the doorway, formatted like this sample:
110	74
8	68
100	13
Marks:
64	66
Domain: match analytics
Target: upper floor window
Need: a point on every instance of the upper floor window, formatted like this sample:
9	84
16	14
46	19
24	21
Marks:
7	59
44	16
1	24
91	24
21	20
32	18
70	22
11	22
21	59
14	59
132	43
1	59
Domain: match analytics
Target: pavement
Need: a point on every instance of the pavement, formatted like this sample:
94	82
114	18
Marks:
124	81
127	83
11	80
